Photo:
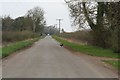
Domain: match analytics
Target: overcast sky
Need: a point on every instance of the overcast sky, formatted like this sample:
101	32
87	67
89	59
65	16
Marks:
54	9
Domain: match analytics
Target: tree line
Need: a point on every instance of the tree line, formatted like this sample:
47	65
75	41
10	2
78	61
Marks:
30	25
103	18
33	21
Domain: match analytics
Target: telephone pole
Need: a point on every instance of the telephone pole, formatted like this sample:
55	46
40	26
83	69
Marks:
59	20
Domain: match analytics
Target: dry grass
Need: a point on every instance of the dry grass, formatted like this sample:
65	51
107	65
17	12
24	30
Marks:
10	37
81	36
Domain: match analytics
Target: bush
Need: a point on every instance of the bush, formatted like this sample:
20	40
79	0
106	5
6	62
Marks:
82	36
9	36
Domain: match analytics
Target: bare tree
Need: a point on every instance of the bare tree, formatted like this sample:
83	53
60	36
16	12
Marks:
100	17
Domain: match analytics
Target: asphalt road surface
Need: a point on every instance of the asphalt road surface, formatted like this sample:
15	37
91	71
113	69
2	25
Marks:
46	59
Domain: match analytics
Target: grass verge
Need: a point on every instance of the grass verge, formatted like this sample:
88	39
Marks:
114	63
88	49
7	50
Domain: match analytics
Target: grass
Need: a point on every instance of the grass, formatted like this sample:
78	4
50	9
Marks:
7	50
88	49
114	63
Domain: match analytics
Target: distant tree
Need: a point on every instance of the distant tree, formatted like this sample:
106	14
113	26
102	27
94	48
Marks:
37	16
18	24
50	30
28	23
7	23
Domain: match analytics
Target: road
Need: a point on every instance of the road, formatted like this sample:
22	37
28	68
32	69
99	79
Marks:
46	59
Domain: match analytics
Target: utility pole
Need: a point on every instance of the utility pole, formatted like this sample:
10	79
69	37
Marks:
59	20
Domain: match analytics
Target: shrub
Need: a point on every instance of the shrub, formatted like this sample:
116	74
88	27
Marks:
9	36
82	36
